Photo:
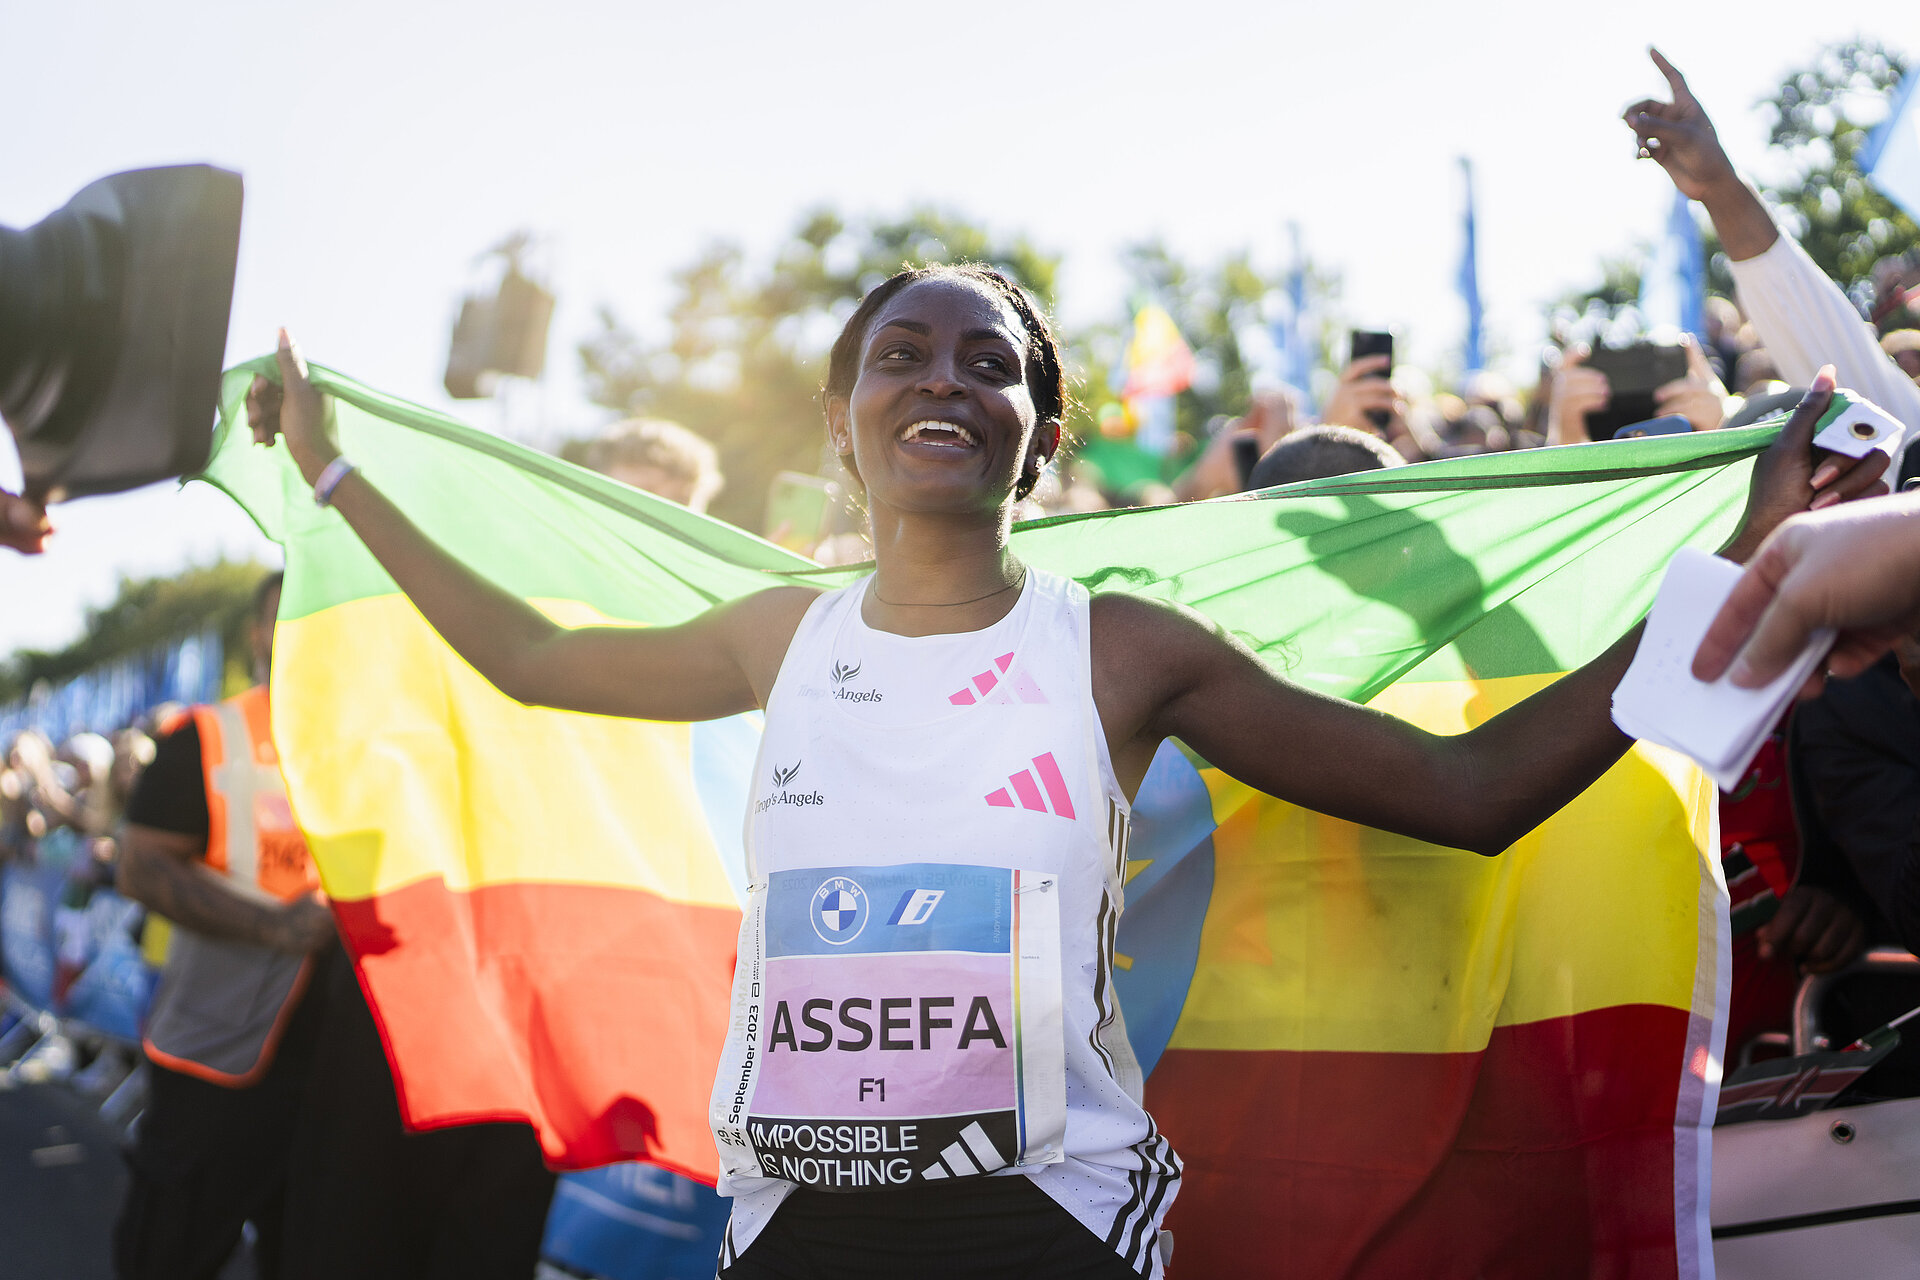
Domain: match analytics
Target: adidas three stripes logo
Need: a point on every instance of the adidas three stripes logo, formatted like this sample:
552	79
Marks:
1024	786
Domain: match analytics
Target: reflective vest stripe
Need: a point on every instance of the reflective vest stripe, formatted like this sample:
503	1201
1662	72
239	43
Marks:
231	779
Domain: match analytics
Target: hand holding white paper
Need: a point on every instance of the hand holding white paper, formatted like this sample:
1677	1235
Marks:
1717	723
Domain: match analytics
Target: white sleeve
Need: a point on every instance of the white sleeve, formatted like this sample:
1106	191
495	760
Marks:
1805	321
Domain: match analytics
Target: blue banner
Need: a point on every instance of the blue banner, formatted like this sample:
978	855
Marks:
1469	281
1892	154
115	983
115	695
635	1222
1673	292
28	894
71	949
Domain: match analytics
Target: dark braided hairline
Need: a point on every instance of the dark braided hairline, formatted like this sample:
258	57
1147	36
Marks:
1048	379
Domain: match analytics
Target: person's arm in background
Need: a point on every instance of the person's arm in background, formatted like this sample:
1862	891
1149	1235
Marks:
162	866
1855	568
1698	397
1271	416
163	871
1803	318
1574	392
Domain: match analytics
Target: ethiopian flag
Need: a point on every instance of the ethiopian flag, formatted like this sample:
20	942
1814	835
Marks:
1377	1057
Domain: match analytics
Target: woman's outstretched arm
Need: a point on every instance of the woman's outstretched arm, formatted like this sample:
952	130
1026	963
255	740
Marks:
717	664
1480	790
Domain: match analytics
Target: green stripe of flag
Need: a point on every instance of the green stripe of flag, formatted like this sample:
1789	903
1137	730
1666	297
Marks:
1499	565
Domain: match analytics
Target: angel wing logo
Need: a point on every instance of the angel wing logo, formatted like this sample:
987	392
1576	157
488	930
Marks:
781	777
843	673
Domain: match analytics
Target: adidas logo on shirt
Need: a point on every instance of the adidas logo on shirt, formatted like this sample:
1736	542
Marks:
994	686
1023	785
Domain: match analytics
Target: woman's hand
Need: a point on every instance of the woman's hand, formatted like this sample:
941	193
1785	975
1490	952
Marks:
1577	391
293	409
1698	397
1789	479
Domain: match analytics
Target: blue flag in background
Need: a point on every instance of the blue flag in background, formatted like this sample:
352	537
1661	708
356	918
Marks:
1674	289
1892	154
1290	340
1469	281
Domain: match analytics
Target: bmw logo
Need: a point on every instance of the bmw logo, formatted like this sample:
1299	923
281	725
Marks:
839	911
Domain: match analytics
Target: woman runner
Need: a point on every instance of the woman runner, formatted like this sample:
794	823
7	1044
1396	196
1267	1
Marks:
928	1073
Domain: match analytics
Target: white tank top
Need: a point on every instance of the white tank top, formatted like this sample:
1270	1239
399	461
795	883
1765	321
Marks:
936	849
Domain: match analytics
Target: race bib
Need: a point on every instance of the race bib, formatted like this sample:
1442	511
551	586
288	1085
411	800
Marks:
894	1024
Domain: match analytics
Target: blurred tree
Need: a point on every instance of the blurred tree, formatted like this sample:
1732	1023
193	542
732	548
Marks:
1823	114
144	614
746	353
1580	314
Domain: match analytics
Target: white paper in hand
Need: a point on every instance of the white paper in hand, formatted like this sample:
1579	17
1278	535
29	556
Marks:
1720	725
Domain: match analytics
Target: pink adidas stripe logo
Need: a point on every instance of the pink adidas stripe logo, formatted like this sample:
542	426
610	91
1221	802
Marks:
988	687
1029	792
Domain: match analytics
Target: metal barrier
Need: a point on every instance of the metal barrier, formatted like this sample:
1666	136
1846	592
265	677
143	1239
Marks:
1807	1037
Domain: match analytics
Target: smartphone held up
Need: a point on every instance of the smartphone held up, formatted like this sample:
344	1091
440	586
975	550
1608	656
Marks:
1374	342
1633	373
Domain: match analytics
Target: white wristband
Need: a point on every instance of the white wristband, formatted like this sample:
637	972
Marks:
330	479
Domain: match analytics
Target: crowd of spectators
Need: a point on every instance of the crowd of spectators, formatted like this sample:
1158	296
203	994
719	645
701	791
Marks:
62	810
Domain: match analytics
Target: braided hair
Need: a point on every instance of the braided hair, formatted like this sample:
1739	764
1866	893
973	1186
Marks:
1046	381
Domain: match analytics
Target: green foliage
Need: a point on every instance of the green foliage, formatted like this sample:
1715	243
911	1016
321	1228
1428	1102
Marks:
746	353
1596	306
1218	307
144	614
1840	218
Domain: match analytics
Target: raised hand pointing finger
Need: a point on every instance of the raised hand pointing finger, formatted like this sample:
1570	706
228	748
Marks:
1676	83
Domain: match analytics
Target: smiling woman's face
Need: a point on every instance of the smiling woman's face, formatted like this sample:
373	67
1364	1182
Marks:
940	418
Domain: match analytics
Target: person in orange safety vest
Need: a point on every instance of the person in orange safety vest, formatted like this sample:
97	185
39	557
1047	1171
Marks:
211	845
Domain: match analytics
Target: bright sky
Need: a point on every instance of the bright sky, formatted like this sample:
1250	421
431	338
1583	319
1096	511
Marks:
387	144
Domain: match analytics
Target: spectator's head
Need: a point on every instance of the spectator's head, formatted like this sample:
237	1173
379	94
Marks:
1754	369
133	751
1496	392
1903	348
1321	451
662	457
266	608
1479	429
